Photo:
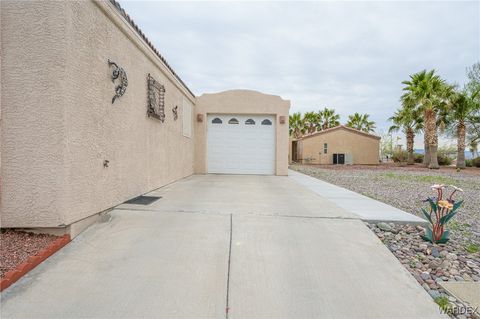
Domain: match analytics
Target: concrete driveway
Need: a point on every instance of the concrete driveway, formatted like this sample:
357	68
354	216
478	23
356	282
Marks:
241	195
219	246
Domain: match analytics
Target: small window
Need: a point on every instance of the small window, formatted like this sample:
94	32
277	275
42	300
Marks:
216	121
266	122
233	121
325	148
250	122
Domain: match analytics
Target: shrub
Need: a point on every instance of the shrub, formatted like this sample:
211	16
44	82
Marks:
476	162
442	302
472	248
444	157
418	158
400	156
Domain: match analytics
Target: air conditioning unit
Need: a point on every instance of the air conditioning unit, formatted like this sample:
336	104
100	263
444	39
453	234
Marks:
348	159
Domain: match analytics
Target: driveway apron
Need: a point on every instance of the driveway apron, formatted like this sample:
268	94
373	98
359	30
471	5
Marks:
222	246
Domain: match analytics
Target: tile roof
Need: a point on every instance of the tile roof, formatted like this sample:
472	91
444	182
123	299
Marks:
147	41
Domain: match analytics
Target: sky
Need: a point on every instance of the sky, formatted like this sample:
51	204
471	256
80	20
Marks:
350	56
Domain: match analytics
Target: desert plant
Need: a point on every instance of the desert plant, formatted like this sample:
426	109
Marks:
399	156
443	303
476	162
418	158
441	211
443	159
472	248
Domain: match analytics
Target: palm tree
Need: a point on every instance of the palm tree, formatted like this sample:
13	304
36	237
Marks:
312	122
462	105
328	118
426	149
361	122
427	91
410	122
296	127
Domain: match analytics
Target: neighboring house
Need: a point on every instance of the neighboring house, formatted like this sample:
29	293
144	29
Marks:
75	143
337	145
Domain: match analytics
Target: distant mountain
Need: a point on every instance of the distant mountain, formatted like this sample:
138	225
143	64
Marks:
468	155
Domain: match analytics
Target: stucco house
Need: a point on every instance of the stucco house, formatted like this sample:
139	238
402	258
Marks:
337	145
92	115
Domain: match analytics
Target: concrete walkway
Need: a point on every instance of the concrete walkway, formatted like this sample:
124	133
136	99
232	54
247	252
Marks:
261	247
364	207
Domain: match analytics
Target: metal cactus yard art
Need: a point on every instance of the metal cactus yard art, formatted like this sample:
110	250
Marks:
442	210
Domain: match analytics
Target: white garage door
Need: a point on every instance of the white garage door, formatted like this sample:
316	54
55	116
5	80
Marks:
241	144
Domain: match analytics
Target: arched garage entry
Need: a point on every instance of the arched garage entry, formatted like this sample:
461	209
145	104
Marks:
241	132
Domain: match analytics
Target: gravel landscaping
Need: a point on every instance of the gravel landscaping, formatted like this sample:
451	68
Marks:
429	264
405	188
17	247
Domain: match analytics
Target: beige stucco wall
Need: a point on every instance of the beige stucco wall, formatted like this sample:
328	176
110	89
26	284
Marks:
58	123
364	149
242	102
290	143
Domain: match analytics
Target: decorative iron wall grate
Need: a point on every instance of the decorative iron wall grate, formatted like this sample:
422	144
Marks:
156	99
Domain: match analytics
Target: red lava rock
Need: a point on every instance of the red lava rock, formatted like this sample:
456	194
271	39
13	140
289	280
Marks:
31	262
18	246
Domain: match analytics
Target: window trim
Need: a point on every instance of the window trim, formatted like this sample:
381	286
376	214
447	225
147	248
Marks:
233	121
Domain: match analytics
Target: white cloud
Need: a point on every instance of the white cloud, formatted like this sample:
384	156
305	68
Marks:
351	56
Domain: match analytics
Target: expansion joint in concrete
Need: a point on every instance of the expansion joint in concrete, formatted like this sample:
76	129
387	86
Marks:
228	267
243	214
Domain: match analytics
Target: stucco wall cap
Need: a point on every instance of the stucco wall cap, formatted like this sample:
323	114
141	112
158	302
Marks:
132	23
251	93
346	128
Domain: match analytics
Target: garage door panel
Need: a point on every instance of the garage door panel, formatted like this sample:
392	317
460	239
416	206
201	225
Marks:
241	148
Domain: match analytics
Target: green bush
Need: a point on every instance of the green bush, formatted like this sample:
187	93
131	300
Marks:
444	159
400	156
468	163
418	158
472	248
442	302
476	162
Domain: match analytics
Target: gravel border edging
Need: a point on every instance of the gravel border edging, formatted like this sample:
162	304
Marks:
430	264
13	275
